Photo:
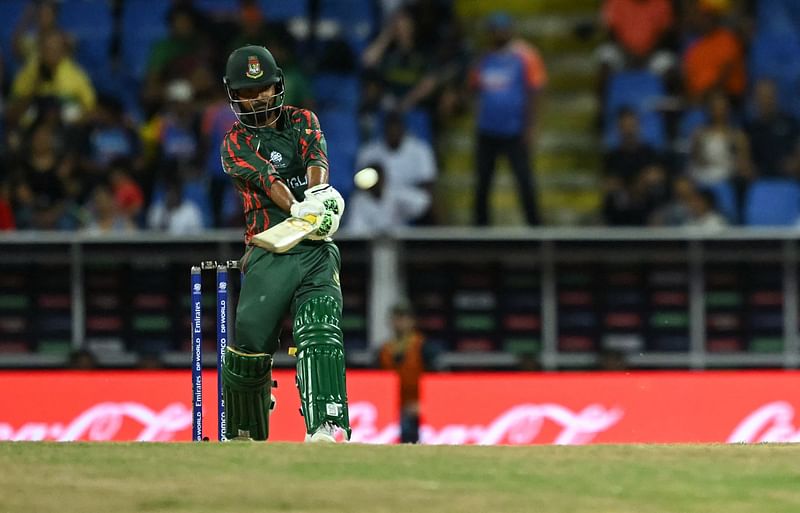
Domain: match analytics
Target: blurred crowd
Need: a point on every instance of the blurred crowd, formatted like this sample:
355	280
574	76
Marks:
112	110
121	132
699	112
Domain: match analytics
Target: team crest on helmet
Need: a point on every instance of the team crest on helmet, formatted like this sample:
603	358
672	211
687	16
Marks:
254	67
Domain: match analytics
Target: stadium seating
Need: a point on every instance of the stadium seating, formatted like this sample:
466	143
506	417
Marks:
336	90
640	91
341	133
143	23
772	203
725	196
356	20
284	9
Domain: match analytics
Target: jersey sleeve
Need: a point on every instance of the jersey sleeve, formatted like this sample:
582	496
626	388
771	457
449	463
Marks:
313	147
241	160
535	71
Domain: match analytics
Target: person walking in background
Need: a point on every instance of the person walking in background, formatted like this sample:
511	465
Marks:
408	355
508	81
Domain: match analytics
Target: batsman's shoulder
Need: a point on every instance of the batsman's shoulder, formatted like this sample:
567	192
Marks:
303	119
235	139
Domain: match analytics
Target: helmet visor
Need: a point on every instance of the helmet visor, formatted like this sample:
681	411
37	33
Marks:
253	109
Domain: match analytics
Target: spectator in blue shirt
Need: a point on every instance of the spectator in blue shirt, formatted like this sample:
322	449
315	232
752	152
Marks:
508	81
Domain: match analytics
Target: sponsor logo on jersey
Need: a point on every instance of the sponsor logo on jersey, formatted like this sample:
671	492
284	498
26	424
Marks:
254	67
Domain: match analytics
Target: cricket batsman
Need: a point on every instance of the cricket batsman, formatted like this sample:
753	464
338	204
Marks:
276	156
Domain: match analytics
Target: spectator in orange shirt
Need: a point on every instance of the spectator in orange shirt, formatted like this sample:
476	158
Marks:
638	30
409	356
716	60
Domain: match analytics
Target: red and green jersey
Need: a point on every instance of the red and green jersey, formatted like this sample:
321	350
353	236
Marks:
255	158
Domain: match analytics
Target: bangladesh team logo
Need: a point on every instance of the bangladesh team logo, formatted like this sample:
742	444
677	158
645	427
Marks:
254	67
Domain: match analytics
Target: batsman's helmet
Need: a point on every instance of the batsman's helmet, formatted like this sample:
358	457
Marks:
253	66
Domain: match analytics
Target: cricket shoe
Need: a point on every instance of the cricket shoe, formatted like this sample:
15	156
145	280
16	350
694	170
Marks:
326	433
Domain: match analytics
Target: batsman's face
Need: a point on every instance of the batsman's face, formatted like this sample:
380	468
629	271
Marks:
256	98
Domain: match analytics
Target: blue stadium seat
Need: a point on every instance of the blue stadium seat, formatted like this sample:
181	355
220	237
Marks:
143	23
773	55
277	10
10	13
341	133
772	203
217	6
336	91
725	196
690	121
357	20
640	91
90	22
418	122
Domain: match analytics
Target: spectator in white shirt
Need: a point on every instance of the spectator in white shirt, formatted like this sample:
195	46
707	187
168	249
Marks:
174	214
408	163
373	211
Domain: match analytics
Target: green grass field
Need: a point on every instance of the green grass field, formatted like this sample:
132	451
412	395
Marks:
251	477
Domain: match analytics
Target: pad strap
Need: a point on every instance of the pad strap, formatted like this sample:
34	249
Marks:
320	364
246	384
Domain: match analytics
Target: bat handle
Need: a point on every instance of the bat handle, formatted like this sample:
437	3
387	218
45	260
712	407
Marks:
310	218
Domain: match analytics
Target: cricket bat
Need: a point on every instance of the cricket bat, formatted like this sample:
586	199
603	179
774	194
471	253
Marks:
285	235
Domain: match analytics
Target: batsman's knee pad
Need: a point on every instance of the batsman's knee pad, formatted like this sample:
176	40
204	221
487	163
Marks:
320	364
246	388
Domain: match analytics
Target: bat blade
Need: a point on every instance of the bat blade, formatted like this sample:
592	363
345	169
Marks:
285	235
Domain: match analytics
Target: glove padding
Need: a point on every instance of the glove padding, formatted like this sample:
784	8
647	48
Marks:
329	197
326	222
308	207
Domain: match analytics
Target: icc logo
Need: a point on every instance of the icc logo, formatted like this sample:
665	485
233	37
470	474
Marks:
276	157
197	287
223	285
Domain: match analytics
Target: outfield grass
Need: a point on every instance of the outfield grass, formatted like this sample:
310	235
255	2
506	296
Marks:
251	477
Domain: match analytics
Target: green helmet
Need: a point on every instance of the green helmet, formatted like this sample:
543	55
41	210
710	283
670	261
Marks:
253	66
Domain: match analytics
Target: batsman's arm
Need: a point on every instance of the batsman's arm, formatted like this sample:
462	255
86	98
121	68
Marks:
241	160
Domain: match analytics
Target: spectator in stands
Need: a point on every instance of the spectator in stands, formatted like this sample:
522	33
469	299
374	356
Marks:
772	133
703	213
373	210
175	57
43	183
716	59
408	355
632	154
39	18
7	221
109	136
104	215
173	213
508	81
128	194
720	151
53	73
408	164
639	31
174	135
675	212
396	58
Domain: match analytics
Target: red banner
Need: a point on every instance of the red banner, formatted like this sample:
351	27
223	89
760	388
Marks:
156	406
640	407
496	408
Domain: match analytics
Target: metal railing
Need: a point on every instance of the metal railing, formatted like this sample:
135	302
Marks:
389	255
